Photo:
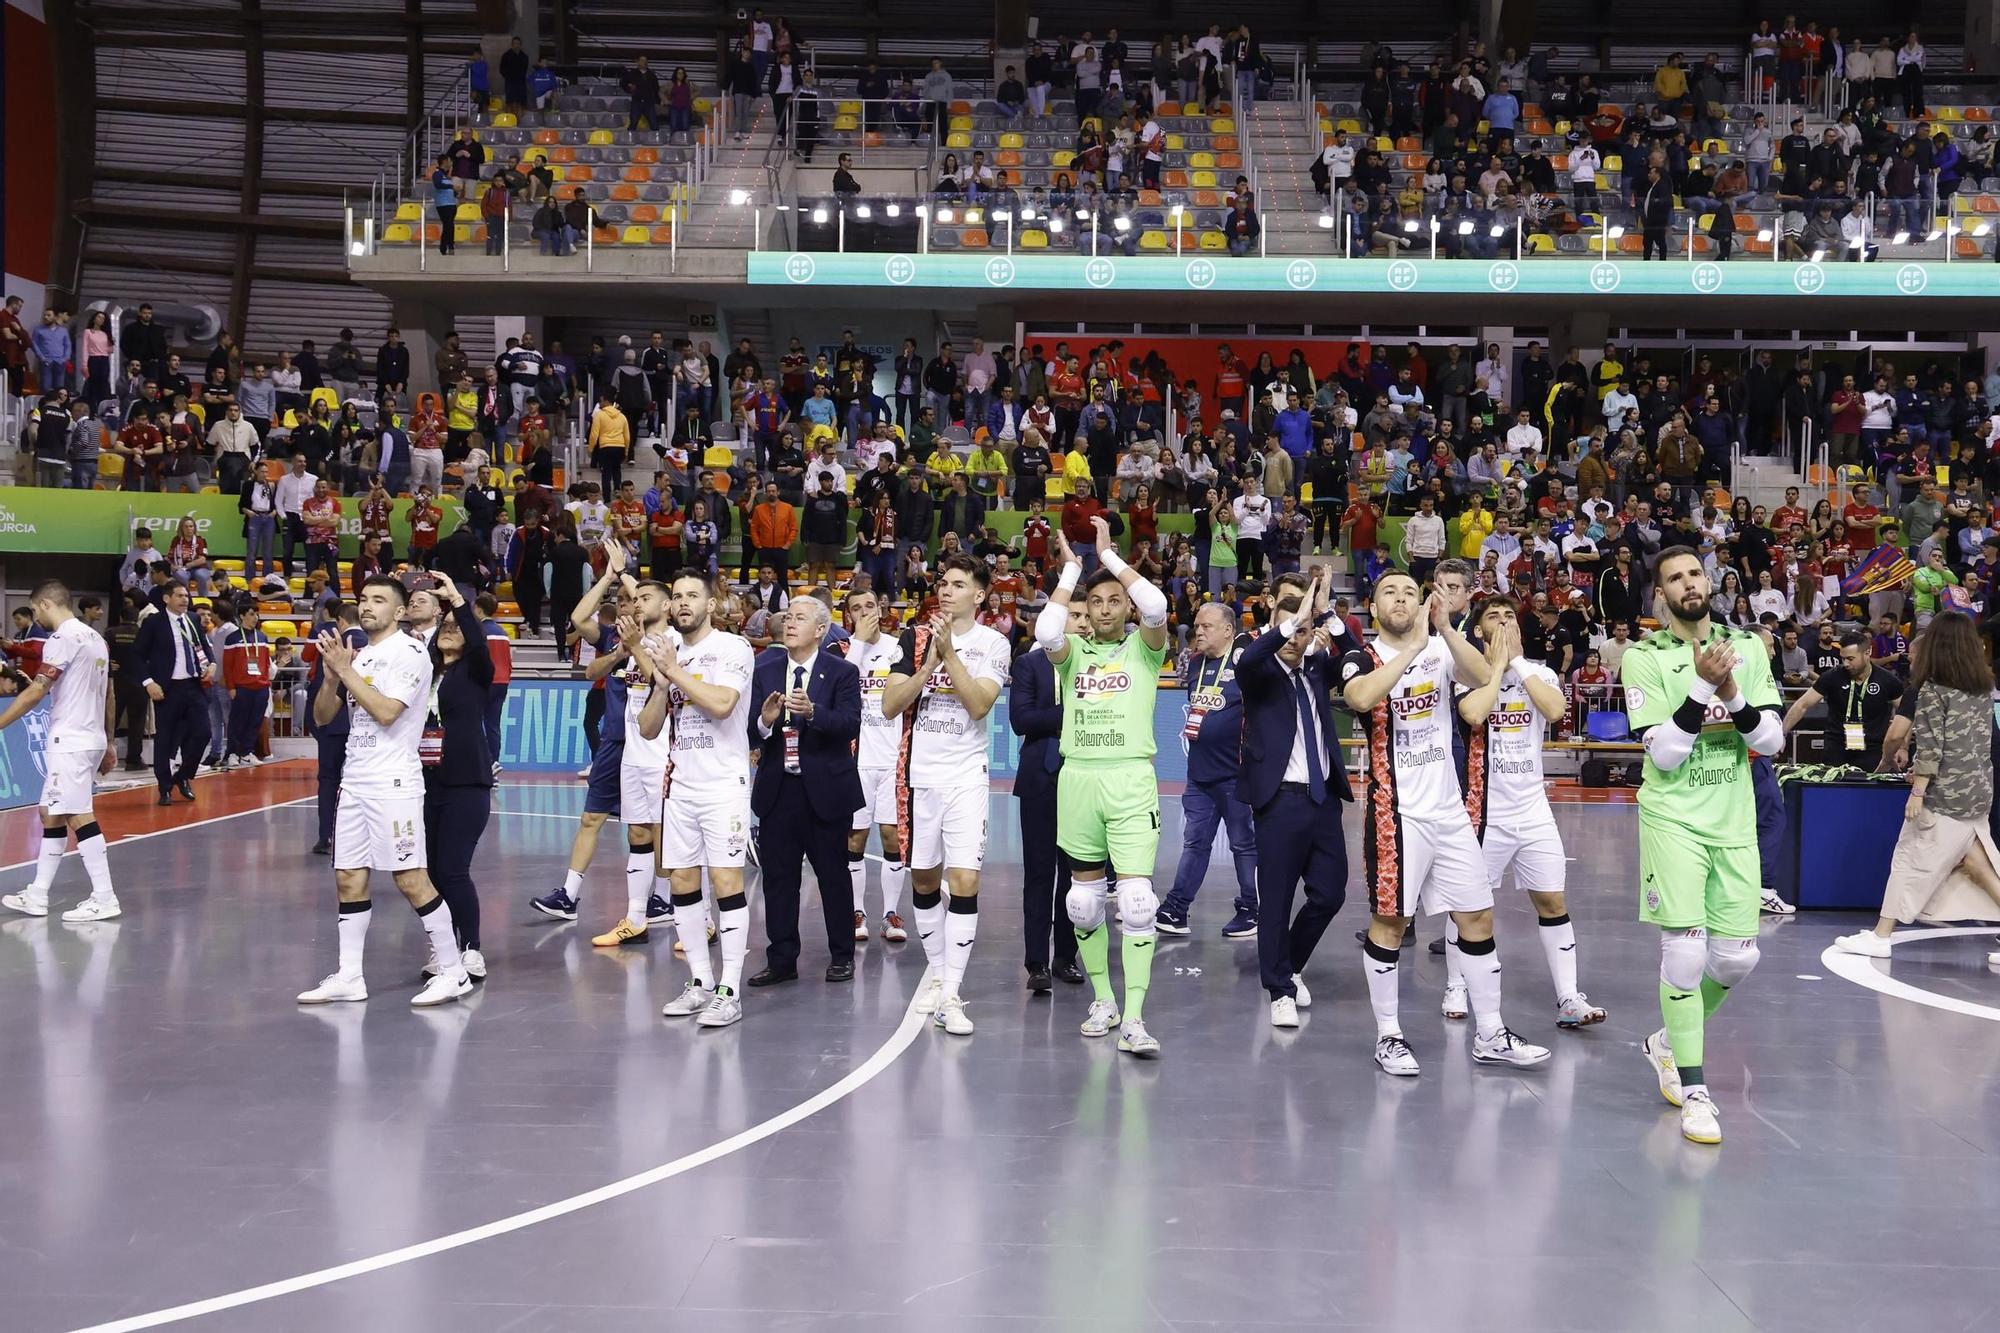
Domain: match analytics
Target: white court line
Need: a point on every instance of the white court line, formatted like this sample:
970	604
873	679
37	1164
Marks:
1862	971
884	1056
178	828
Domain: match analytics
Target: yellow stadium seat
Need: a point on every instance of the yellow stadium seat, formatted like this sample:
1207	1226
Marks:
1948	114
1222	125
1061	160
506	120
847	122
1034	240
848	108
717	455
635	236
1349	124
466	233
1202	180
1176	142
1153	240
398	233
1541	245
1201	159
958	139
409	211
1053	488
600	138
1384	144
1614	163
961	122
1214	240
318	396
1012	140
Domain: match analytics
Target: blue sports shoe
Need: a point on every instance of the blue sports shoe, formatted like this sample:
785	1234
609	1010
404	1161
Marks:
558	905
1242	926
1170	920
658	910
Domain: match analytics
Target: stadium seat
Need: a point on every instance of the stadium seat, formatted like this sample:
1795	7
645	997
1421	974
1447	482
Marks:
1214	240
1034	240
600	138
1153	240
409	211
974	238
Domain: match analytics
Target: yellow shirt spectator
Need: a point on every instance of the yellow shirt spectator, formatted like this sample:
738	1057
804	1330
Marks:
1076	467
943	462
1475	525
1670	82
461	409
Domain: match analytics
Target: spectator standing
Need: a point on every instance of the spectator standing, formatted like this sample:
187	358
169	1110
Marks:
642	85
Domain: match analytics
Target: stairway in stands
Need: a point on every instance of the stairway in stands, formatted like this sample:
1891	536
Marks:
712	221
1283	145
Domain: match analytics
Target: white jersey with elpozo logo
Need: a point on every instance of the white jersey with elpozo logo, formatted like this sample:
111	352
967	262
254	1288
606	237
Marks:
710	751
878	733
385	760
1422	776
1504	759
948	746
640	752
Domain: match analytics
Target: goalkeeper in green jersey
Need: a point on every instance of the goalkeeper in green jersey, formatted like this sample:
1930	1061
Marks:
1702	699
1108	797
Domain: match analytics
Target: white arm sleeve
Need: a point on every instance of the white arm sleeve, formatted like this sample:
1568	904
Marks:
1150	602
1669	744
1052	626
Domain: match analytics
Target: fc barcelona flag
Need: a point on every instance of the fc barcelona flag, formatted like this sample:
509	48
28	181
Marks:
1886	567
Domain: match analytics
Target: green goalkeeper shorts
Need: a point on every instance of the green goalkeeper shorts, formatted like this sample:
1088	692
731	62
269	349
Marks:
1109	814
1685	882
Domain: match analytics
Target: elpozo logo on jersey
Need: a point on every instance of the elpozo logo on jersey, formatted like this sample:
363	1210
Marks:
1512	719
1421	701
1096	682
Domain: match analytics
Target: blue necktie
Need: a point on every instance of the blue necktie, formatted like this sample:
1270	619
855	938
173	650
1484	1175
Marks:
186	636
1309	734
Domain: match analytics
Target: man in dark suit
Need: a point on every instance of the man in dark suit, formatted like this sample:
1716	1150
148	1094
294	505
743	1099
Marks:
1293	780
177	669
1034	710
806	789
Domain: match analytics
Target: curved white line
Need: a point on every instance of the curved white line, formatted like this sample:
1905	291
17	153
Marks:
884	1056
1859	969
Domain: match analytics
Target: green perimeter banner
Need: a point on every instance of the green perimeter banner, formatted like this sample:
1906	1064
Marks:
102	522
1297	273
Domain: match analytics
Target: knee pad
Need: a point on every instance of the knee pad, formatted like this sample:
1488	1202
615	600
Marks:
1683	955
1136	905
1085	903
1729	961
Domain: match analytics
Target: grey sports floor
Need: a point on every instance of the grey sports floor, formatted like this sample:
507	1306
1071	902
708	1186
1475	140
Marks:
176	1129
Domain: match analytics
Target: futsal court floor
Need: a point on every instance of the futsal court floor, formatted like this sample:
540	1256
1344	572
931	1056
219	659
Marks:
183	1143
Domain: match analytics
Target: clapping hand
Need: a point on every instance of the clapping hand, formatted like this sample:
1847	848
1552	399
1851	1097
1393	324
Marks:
337	655
1714	664
1102	527
614	556
1059	547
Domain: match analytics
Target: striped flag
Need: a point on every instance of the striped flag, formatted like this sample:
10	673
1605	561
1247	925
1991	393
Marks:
1886	567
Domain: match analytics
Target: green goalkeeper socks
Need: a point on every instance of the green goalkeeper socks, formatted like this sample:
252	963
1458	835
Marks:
1683	1012
1713	993
1093	948
1137	951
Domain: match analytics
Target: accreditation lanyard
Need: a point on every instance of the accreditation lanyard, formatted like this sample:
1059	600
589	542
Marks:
1852	730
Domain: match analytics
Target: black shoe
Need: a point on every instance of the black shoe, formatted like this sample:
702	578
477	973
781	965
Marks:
134	766
772	977
1039	981
840	971
322	848
166	798
1437	945
1069	973
185	788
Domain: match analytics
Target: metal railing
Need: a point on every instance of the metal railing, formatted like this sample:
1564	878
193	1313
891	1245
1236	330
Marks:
896	126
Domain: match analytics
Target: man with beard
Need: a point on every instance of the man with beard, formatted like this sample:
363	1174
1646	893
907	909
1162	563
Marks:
1701	698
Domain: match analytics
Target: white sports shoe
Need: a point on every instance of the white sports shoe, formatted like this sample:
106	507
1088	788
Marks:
1773	905
27	904
860	926
1284	1012
1103	1017
691	1001
930	992
1864	942
1300	993
475	964
93	909
336	989
892	928
1661	1057
1455	1001
1504	1048
1133	1039
724	1008
1993	959
1576	1011
951	1017
1699	1123
443	989
1394	1056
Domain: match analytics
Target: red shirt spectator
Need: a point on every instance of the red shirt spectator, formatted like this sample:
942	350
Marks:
322	520
666	525
246	660
1861	520
501	648
1035	539
1077	512
425	519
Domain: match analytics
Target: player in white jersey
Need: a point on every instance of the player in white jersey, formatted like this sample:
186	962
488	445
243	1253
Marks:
952	670
1506	721
1418	847
379	823
643	766
700	703
874	654
74	678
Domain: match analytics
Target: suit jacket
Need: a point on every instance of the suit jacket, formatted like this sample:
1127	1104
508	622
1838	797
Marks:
826	741
1034	711
1271	719
156	648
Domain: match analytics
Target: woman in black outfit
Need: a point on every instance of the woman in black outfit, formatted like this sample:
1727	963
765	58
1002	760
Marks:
458	769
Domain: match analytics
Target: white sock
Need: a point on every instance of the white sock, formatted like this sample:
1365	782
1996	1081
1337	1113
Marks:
961	928
444	940
1559	943
1482	984
638	885
735	939
691	924
573	884
930	929
857	876
353	936
894	875
97	864
1382	967
1454	970
48	860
